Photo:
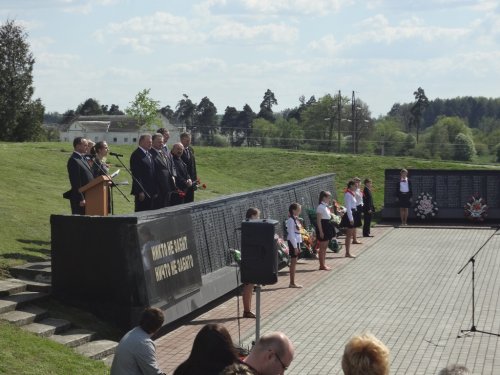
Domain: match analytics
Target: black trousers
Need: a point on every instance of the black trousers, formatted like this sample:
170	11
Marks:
189	195
146	204
75	208
367	223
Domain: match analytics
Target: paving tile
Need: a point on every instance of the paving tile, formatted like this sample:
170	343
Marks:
404	287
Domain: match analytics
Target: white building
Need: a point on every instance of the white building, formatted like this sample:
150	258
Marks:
118	129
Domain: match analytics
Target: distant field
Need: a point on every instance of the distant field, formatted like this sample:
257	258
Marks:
33	176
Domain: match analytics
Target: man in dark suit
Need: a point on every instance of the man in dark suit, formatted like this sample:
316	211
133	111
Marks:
189	160
80	174
166	137
163	172
183	179
144	185
368	207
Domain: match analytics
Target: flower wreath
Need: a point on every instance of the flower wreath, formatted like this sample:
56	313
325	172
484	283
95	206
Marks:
476	208
425	206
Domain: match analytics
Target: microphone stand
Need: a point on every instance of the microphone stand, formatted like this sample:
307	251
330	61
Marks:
133	178
111	187
472	260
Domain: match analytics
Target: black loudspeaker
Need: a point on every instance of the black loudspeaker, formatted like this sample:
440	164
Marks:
259	252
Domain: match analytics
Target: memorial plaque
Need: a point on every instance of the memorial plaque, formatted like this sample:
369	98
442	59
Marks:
454	192
450	188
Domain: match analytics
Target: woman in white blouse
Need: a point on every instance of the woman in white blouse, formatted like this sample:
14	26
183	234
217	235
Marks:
347	221
294	238
404	195
325	228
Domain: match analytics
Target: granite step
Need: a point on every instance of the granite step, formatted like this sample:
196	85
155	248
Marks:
8	287
25	315
98	349
47	327
39	271
24	298
108	361
73	337
6	306
33	286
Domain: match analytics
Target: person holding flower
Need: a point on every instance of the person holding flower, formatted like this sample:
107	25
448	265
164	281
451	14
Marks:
326	230
294	238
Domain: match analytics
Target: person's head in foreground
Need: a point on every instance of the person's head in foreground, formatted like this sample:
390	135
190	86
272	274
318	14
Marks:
455	370
151	320
272	354
365	355
212	351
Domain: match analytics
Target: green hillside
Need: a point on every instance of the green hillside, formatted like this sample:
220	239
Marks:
33	176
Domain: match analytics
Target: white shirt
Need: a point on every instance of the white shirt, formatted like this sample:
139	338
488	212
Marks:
404	187
358	195
293	234
324	211
350	204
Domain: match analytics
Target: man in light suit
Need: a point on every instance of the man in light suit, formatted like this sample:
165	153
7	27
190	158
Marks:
80	174
144	186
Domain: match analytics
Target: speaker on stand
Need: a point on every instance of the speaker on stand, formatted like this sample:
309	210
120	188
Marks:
259	258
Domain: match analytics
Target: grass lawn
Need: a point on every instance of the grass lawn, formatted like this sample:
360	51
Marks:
33	176
27	354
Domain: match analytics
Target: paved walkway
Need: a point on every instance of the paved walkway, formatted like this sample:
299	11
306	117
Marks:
403	287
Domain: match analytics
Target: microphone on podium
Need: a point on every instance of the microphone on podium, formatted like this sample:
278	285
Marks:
115	154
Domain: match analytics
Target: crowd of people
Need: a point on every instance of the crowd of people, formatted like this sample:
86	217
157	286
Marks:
160	177
214	353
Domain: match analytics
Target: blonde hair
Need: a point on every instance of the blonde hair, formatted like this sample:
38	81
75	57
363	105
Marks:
365	355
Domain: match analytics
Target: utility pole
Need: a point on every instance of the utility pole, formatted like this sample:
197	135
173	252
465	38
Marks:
339	112
354	130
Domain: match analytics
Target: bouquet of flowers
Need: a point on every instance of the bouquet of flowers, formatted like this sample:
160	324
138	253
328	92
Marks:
476	208
198	185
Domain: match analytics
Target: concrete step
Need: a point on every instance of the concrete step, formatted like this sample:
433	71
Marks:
47	327
25	315
6	306
108	361
73	337
39	271
98	349
8	287
24	298
33	286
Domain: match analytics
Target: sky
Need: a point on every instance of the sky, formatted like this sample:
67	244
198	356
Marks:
232	51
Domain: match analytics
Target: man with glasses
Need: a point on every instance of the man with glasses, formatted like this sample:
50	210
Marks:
271	355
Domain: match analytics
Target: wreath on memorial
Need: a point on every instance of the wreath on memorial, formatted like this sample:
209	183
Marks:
425	206
476	208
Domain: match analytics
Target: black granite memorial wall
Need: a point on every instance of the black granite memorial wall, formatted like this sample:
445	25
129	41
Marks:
450	189
177	258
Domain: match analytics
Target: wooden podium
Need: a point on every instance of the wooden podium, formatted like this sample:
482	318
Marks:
97	196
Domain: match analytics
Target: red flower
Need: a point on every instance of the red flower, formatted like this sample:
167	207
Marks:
204	186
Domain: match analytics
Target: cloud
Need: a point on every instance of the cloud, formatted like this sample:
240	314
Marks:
84	7
55	61
327	44
144	33
308	7
276	33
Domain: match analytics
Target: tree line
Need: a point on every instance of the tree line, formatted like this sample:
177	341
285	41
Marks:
462	128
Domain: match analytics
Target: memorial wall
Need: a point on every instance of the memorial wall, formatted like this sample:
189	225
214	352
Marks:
452	192
177	258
